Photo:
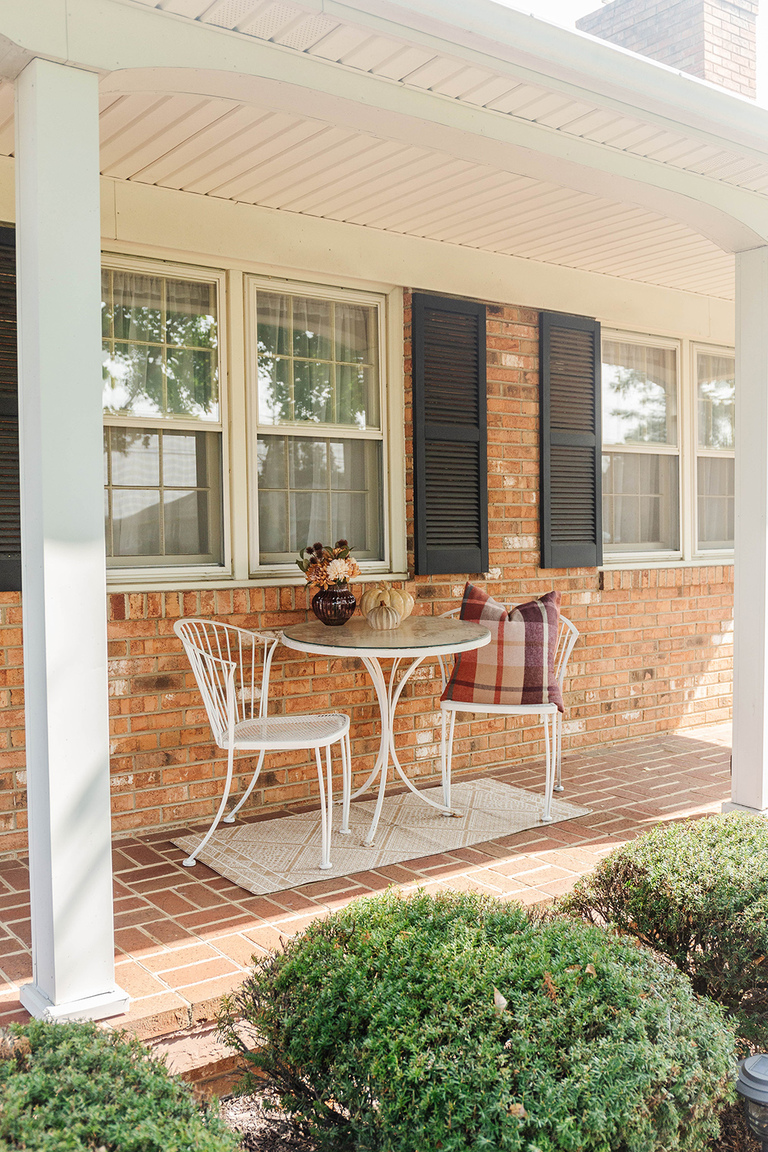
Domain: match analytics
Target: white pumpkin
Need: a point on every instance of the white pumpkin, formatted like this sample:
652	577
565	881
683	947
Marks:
401	601
371	597
396	598
383	617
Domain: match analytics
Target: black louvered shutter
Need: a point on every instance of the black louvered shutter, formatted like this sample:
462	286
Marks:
571	519
10	520
449	436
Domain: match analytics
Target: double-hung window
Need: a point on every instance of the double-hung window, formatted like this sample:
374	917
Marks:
162	418
668	448
641	446
319	448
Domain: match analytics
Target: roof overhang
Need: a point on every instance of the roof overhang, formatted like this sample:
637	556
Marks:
522	104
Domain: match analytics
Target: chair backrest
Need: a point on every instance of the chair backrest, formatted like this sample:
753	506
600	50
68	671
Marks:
567	635
231	666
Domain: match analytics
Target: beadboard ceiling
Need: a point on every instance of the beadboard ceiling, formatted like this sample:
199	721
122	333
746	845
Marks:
221	148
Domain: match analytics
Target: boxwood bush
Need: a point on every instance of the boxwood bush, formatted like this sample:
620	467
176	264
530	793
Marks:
698	893
71	1087
456	1022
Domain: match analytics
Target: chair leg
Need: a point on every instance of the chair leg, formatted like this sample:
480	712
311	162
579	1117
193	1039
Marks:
446	755
559	778
346	782
230	817
549	752
325	844
191	861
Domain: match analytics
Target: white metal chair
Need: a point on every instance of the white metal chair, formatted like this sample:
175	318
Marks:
551	717
231	667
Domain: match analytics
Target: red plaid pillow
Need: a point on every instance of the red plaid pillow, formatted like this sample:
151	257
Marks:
517	667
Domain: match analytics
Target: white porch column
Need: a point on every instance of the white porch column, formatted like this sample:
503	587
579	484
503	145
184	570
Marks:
64	598
749	786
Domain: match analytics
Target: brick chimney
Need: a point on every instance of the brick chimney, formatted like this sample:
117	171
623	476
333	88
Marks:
712	39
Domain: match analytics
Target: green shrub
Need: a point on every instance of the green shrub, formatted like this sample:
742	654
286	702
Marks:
73	1087
380	1030
698	893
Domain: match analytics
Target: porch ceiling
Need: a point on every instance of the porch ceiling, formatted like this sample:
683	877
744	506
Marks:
352	45
250	148
234	151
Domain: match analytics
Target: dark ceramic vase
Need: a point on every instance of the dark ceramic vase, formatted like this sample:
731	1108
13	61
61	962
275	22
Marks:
334	605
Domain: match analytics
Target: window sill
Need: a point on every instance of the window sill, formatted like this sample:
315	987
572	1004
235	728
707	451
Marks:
187	583
616	565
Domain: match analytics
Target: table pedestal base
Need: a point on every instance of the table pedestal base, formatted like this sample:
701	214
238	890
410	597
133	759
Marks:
388	693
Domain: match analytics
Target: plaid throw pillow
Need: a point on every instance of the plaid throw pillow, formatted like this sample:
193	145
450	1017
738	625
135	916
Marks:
517	667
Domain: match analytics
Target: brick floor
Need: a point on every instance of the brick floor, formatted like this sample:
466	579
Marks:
185	937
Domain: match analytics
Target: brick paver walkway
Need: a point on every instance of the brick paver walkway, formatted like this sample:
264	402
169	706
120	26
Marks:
184	937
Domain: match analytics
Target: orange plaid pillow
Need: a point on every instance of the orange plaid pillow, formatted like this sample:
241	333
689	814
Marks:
517	667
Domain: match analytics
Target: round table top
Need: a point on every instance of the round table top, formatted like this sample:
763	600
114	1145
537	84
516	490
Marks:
416	636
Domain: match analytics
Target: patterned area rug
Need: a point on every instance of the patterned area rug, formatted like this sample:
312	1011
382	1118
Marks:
275	854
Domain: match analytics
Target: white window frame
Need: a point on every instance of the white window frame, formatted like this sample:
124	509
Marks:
621	557
390	521
698	347
687	452
176	574
235	395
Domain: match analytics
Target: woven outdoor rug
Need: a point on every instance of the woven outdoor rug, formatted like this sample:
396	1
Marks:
271	855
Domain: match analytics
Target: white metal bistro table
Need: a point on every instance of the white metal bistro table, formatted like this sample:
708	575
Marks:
417	638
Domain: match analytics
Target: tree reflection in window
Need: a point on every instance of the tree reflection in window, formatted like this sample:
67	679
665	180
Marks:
639	394
160	346
317	361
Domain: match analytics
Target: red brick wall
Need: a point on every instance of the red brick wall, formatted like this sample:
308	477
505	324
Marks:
653	655
711	39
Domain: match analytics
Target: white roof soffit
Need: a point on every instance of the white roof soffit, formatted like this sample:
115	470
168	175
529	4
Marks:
486	36
504	95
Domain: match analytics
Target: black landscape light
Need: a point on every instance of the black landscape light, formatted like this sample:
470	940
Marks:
752	1084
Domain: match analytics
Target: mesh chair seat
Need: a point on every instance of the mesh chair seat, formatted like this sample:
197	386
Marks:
285	732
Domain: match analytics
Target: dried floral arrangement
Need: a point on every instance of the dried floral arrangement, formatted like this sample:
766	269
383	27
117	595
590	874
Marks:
328	567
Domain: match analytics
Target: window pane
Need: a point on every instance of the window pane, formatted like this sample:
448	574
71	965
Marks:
350	461
184	464
137	306
312	391
190	314
715	478
308	464
271	455
310	516
317	361
355	334
165	491
160	347
312	328
133	381
186	523
356	396
273	522
640	502
639	394
106	303
274	324
191	383
716	393
275	392
136	521
350	516
325	489
134	456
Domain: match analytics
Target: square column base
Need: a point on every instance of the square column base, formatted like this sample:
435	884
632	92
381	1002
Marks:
731	806
112	1003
